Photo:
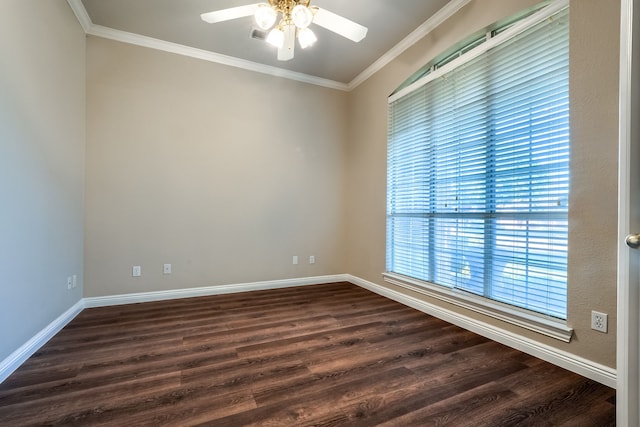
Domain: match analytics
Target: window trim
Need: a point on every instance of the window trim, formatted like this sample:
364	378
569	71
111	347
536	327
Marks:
546	325
492	42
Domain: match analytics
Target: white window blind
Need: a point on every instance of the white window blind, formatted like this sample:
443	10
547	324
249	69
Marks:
478	173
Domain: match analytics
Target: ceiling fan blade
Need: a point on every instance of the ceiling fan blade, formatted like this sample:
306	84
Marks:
285	53
339	25
228	14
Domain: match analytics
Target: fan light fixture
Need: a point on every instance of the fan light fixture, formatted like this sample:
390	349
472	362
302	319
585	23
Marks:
295	18
265	16
301	16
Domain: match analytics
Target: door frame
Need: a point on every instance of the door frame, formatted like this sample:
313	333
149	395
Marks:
628	325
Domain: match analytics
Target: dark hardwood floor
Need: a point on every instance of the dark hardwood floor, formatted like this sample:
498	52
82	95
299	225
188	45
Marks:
324	355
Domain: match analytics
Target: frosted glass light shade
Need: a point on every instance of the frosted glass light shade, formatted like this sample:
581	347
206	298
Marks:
276	37
301	16
265	16
306	38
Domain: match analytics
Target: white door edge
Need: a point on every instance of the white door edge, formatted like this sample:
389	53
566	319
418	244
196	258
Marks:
628	275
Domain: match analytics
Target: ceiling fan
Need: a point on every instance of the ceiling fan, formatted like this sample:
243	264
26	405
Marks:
295	18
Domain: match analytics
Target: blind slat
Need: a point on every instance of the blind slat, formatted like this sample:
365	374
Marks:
478	174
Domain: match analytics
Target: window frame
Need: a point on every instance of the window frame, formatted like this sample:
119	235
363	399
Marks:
541	323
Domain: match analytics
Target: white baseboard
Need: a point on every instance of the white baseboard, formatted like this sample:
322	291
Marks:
210	290
589	369
18	357
602	374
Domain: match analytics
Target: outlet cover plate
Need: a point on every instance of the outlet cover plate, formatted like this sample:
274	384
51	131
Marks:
599	321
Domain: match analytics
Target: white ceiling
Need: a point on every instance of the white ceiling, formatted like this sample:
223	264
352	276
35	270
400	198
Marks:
175	25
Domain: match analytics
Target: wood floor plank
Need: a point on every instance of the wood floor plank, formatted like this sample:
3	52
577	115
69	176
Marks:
461	410
321	355
314	408
262	332
313	342
179	407
602	414
323	380
531	410
60	404
396	403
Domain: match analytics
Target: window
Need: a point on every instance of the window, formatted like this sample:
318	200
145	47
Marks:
478	169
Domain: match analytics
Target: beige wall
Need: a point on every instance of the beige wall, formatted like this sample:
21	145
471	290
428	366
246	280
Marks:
191	163
42	130
593	200
224	173
593	216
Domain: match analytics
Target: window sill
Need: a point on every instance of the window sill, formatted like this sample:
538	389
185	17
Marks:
546	325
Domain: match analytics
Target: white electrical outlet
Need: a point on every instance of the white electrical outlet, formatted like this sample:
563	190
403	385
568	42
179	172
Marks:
295	260
166	269
137	271
312	259
599	321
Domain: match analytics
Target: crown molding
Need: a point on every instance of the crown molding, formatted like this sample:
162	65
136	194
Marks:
81	14
429	25
136	39
153	43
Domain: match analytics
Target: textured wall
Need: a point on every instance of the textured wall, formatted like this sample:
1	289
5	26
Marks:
224	173
42	130
593	213
592	242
